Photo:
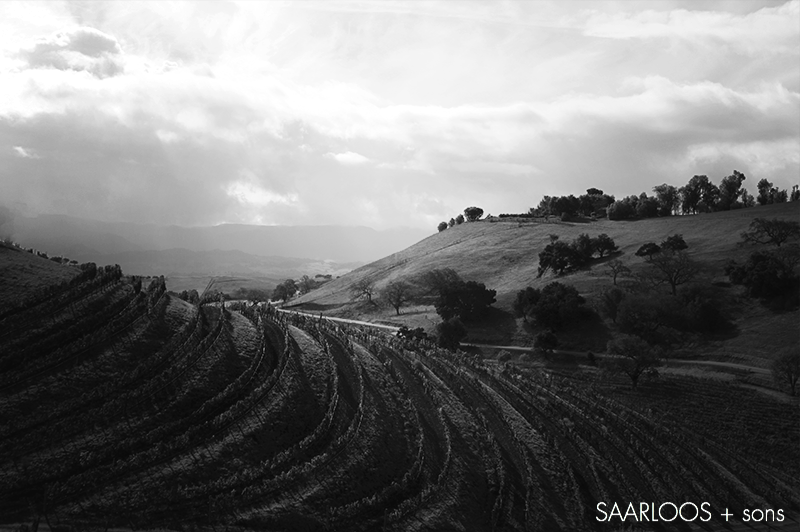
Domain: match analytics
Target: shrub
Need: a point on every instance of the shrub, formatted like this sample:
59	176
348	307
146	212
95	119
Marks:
765	274
449	333
546	341
467	300
554	306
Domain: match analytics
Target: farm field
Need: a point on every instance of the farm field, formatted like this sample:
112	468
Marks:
126	408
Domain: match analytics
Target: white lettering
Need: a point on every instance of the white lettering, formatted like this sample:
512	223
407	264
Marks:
601	510
703	507
696	512
661	515
643	507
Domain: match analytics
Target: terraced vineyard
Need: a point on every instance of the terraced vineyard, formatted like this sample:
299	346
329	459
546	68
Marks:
129	408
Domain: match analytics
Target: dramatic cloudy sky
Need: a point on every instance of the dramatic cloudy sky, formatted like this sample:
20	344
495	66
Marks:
385	113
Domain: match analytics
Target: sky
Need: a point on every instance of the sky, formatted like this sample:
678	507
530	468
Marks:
385	113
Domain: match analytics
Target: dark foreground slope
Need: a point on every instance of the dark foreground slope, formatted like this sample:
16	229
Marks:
131	409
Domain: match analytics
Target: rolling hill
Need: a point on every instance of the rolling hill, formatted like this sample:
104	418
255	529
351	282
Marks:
504	256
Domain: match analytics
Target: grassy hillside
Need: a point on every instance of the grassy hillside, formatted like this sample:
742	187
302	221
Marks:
24	274
504	256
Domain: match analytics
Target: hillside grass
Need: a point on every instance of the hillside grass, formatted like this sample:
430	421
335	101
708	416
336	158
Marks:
23	273
504	256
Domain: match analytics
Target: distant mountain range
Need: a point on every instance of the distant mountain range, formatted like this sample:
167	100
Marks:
68	235
267	252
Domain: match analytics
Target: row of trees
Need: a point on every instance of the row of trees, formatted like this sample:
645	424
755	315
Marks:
471	214
452	296
456	300
594	202
698	195
562	257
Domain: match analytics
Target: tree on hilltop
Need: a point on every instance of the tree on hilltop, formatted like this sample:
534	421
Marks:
730	189
748	200
459	219
473	214
668	198
765	189
698	195
442	226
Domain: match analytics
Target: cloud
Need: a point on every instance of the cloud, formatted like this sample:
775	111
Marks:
495	167
25	154
249	193
348	158
269	113
768	30
82	49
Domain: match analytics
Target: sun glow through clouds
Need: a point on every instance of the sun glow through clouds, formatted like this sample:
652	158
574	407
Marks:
367	101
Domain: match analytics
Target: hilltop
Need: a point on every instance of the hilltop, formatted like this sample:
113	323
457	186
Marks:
504	256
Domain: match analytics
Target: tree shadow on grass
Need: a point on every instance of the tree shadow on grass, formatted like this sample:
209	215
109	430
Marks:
590	333
497	327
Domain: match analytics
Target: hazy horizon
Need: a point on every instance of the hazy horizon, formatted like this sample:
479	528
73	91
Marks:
385	114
